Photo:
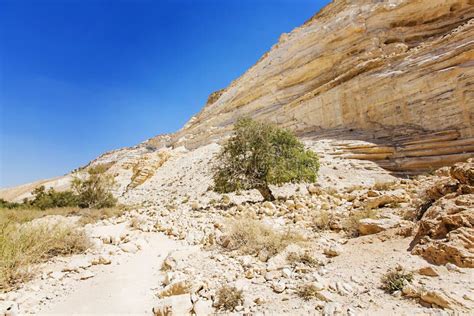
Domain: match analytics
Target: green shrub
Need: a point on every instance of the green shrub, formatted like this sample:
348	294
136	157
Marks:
49	199
260	154
8	205
94	191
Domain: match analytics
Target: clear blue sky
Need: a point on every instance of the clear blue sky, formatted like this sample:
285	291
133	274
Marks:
81	77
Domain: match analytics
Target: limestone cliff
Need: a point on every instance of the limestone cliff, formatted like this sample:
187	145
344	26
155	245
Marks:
397	73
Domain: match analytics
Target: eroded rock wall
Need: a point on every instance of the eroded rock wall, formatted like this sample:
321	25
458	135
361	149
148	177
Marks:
398	73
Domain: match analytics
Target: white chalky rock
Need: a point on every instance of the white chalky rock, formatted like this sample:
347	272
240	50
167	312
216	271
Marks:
129	247
174	305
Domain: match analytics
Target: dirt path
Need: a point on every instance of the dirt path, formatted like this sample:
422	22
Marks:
126	287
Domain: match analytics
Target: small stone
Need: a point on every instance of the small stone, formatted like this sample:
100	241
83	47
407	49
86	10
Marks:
203	308
101	260
173	305
331	309
278	287
333	251
129	247
269	205
410	290
286	273
249	274
86	275
368	226
326	296
271	275
77	264
428	271
452	267
437	298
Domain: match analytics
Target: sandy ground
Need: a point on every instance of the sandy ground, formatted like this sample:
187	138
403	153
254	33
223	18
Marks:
125	287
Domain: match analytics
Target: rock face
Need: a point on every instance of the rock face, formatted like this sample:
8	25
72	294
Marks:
446	230
397	73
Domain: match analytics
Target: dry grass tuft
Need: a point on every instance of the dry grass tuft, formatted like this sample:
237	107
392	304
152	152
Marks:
228	298
87	215
384	186
307	291
175	289
252	237
22	246
395	279
322	220
304	258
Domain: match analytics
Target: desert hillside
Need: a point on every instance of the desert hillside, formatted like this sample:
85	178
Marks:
383	92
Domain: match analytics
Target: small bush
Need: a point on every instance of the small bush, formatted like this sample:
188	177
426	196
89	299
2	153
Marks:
395	279
307	291
94	191
22	246
260	154
252	237
304	258
228	298
8	205
322	220
44	199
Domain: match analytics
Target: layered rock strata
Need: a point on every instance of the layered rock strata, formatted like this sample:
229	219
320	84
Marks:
397	73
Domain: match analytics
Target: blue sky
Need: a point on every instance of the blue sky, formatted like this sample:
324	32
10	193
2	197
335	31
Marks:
81	77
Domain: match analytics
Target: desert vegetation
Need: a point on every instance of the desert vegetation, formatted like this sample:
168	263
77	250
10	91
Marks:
258	155
253	237
26	240
22	246
229	297
395	279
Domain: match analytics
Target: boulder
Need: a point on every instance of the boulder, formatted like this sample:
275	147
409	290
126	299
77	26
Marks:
437	298
429	271
393	197
368	226
203	308
463	172
129	247
446	232
176	259
173	305
76	264
333	250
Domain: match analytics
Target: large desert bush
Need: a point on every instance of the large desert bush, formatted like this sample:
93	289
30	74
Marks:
260	154
94	191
